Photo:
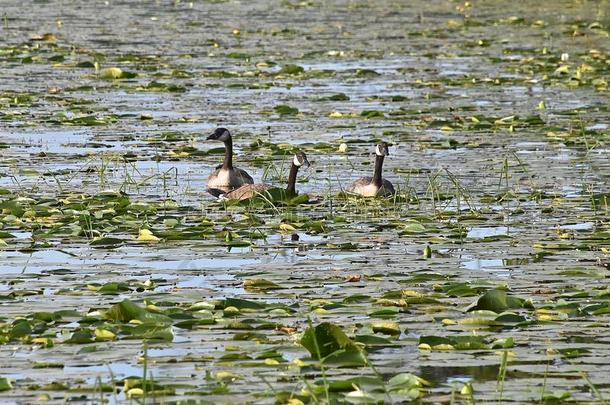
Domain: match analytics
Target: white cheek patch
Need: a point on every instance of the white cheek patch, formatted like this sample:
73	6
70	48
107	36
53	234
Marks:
295	161
224	137
378	151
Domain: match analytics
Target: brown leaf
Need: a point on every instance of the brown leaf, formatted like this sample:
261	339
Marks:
287	329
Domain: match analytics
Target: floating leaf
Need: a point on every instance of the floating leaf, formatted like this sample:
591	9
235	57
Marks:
126	311
372	114
291	69
107	242
146	235
373	340
260	284
111	73
387	328
337	97
499	301
454	342
284	109
329	343
81	337
242	304
150	331
5	384
158	86
405	381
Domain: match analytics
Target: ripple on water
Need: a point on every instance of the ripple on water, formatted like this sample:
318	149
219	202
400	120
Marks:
583	226
484	232
119	369
499	267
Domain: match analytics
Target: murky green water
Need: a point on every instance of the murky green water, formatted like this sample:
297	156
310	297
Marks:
499	119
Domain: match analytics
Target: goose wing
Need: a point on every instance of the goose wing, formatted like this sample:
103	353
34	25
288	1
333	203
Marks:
361	182
387	189
247	191
245	176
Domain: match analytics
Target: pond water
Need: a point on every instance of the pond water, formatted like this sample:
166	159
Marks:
498	119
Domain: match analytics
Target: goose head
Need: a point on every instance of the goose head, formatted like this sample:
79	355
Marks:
220	134
382	149
300	159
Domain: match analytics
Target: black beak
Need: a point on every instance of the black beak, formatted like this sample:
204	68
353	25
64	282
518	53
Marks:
210	137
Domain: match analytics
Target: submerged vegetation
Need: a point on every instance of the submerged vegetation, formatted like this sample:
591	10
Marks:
483	279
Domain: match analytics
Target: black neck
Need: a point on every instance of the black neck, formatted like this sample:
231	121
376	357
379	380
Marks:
292	179
228	162
377	173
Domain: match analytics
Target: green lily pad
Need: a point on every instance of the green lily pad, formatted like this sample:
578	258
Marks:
260	284
5	384
499	301
284	109
329	343
291	69
126	311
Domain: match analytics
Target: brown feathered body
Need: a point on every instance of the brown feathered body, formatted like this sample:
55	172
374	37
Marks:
375	186
226	177
252	190
247	191
365	187
226	180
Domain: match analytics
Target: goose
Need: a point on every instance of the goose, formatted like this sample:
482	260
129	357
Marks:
226	177
250	190
375	186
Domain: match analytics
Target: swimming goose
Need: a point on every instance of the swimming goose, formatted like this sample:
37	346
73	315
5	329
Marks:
226	177
375	186
250	190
